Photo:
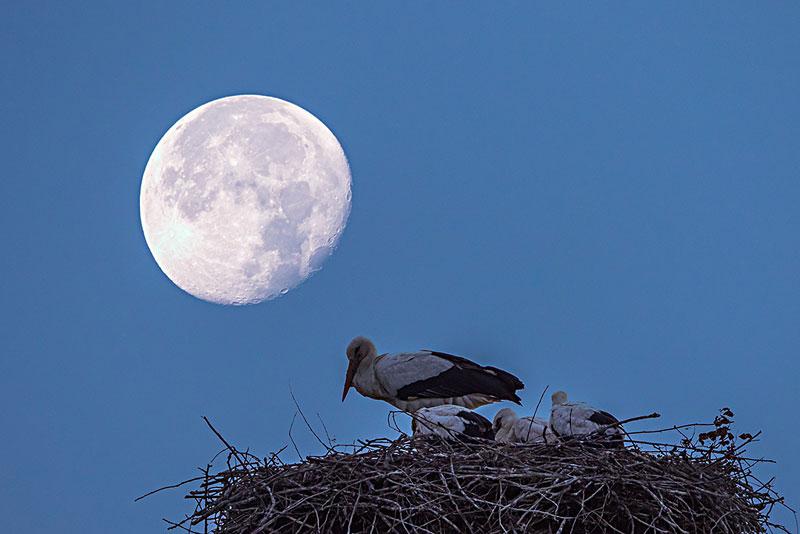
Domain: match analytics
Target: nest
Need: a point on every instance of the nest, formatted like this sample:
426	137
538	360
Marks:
701	484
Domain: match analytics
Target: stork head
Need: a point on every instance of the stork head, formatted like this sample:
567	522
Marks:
503	418
357	350
559	397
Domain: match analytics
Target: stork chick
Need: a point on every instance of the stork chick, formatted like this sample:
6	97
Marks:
449	421
579	419
509	428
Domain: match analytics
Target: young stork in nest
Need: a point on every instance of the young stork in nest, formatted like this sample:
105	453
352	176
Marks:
414	380
449	421
508	428
579	419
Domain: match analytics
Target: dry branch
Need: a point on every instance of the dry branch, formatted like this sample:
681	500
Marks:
430	485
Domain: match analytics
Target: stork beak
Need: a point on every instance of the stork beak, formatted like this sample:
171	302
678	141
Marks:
348	379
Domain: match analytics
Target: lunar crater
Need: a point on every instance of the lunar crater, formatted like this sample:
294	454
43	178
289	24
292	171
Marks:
243	198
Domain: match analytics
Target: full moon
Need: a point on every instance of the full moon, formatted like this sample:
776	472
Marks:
244	198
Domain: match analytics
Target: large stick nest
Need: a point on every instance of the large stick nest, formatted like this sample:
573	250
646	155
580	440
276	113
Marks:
431	485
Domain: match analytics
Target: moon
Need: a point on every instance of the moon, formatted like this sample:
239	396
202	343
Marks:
244	198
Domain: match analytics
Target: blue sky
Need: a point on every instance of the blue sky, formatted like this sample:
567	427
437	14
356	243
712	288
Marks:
602	198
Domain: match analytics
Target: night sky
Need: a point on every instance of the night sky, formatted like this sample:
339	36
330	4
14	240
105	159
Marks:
602	198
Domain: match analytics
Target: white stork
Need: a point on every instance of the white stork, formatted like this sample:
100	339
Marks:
448	421
414	380
579	419
508	428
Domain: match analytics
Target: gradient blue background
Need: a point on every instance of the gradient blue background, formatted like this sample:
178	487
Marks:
603	198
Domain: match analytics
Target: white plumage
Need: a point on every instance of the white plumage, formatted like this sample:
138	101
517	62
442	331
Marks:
509	428
414	380
580	419
450	421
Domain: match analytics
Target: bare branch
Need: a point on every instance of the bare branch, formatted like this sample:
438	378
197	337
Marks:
433	485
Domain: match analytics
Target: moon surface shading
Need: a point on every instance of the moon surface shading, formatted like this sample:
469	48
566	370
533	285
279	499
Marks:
244	198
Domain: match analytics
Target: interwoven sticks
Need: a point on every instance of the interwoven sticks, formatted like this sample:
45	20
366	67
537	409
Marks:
431	485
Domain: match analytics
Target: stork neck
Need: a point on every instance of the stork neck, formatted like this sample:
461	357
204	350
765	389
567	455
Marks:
367	364
365	380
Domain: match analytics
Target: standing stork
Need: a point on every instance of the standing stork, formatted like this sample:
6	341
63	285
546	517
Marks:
508	428
449	421
414	380
580	419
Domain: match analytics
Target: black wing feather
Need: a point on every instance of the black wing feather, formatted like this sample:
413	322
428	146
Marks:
464	378
469	364
603	418
476	425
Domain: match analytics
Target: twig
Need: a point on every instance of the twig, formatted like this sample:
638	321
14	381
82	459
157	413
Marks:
434	485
